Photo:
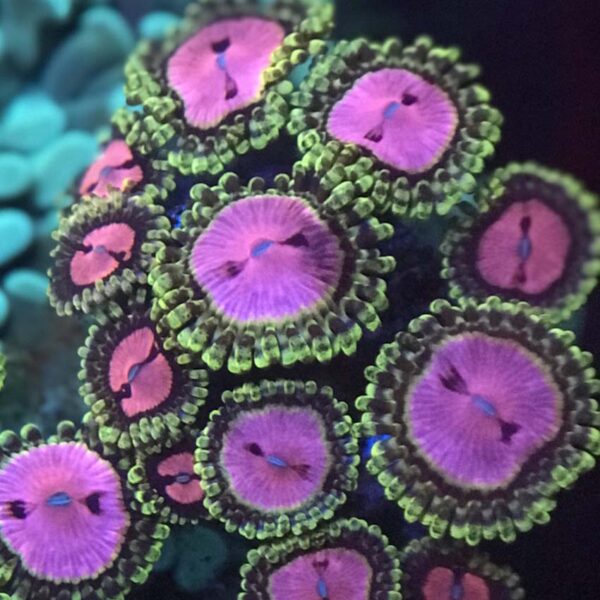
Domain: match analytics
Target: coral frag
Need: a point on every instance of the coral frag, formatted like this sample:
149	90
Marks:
219	286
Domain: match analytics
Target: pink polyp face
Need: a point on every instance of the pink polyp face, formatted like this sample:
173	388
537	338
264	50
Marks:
62	511
112	170
525	248
481	408
405	121
139	373
267	258
339	573
441	581
185	489
276	458
105	250
220	69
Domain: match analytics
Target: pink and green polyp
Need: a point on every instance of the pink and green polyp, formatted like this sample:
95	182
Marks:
267	258
114	169
481	408
62	511
276	458
103	251
442	583
330	574
526	248
229	57
181	483
405	121
139	374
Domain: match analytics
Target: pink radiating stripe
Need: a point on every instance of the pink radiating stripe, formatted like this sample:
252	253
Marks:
267	258
206	82
407	122
107	171
344	574
99	262
184	493
153	380
67	542
450	426
498	259
294	435
439	581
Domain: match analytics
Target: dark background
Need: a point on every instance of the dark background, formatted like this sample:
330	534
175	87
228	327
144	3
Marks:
541	60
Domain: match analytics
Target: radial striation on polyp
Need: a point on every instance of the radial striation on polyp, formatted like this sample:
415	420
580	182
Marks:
489	414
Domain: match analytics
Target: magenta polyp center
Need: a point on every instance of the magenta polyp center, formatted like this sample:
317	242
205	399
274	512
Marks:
115	169
442	583
182	484
481	408
267	258
331	574
525	249
219	70
102	252
276	458
139	374
62	511
405	121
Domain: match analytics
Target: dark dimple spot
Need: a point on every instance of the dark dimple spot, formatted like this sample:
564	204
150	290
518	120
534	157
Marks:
93	503
124	392
454	381
525	224
408	99
297	240
221	46
255	449
232	269
17	509
508	430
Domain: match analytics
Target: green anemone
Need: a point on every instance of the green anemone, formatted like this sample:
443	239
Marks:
277	458
259	276
166	124
489	415
353	96
559	266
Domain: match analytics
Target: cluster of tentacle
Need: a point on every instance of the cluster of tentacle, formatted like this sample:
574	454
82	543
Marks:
486	415
260	275
198	260
412	119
